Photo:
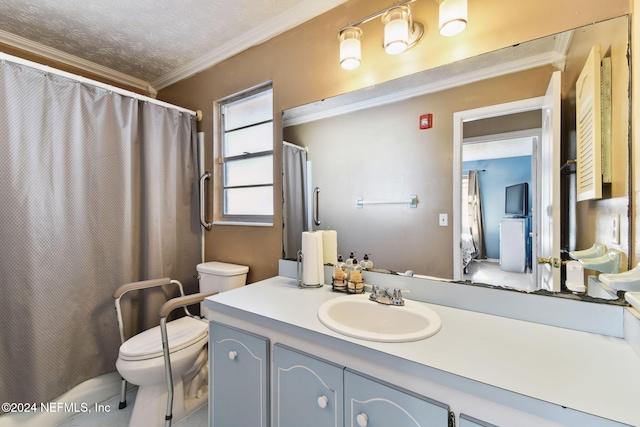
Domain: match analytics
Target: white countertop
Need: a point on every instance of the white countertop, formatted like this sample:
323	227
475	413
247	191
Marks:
587	372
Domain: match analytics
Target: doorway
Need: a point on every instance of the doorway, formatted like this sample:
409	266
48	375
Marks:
500	169
525	280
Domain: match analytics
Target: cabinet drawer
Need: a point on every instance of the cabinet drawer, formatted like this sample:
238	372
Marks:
467	421
307	391
374	404
239	379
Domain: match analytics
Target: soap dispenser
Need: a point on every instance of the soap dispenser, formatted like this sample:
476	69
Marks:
355	283
339	274
351	260
366	263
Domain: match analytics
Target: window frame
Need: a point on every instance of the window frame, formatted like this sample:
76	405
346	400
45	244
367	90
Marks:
220	217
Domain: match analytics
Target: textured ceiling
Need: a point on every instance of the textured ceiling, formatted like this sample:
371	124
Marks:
145	39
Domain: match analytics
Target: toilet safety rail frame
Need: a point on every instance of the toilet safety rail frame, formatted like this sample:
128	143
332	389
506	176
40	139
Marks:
166	308
164	312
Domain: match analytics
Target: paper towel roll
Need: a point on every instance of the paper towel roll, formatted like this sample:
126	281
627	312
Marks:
330	247
312	265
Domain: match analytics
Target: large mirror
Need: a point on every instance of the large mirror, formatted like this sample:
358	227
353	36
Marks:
370	158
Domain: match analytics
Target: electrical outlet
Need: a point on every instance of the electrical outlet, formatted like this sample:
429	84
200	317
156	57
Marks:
443	220
615	229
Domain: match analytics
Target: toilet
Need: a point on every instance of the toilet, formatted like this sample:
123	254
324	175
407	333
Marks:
141	362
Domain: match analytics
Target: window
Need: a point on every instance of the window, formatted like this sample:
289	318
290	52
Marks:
246	157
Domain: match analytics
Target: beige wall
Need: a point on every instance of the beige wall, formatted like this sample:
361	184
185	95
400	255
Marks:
502	124
303	65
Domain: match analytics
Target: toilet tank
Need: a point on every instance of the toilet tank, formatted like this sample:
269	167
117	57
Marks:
220	276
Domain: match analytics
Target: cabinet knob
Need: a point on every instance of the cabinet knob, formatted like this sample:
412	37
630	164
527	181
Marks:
323	401
233	354
362	419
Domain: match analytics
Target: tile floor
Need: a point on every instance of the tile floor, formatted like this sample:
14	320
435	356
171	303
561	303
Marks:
120	418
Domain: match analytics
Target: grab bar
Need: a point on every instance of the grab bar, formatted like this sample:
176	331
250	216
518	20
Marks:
205	176
412	202
316	202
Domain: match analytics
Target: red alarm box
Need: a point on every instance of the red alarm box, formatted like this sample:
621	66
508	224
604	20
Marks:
426	121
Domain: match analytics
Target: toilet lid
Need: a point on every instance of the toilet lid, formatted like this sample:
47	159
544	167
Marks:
181	333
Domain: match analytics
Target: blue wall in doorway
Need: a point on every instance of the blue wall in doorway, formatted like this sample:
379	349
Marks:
498	174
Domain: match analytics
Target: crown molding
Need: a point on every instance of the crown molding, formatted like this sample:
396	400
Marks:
74	61
551	58
287	20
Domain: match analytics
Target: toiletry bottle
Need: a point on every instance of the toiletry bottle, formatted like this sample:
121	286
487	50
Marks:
350	261
339	272
355	282
366	263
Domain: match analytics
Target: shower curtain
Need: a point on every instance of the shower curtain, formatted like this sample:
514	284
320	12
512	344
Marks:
294	208
98	189
476	222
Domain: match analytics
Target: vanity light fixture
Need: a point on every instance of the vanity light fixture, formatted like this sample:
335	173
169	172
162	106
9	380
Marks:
397	23
350	47
452	17
401	32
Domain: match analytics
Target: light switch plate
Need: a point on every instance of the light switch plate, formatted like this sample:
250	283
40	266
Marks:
443	219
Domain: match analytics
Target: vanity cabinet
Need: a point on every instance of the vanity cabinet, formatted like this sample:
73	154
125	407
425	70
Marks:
315	393
397	376
467	421
369	402
239	377
307	391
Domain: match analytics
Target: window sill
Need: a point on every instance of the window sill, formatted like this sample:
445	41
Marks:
244	223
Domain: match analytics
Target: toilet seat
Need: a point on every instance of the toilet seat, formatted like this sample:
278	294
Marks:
181	333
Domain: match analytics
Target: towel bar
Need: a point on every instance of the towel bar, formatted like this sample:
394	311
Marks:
412	202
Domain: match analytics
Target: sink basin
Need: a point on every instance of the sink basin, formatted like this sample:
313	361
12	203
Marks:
356	316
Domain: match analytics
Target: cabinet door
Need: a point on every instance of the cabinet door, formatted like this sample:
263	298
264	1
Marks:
239	379
369	403
307	391
467	421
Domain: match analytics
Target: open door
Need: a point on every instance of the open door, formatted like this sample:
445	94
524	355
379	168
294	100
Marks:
548	237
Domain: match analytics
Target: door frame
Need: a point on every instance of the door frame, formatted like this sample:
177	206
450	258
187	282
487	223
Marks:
459	118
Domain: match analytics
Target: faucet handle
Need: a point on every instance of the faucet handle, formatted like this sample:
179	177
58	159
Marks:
397	296
397	292
374	293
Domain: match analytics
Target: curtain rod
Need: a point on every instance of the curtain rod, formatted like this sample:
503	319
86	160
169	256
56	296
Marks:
296	146
6	57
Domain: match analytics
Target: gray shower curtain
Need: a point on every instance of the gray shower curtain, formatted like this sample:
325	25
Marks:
476	221
294	208
97	190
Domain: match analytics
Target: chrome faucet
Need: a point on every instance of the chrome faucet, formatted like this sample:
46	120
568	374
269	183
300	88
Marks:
382	296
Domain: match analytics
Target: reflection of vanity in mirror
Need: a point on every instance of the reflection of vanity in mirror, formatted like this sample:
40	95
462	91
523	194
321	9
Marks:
368	146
